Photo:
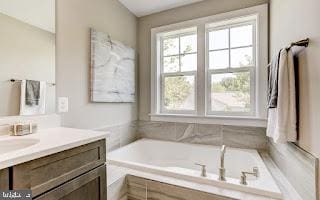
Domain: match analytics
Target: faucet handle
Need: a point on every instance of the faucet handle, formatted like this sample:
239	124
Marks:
243	178
203	169
256	172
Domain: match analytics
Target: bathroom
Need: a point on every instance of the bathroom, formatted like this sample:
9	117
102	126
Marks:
162	99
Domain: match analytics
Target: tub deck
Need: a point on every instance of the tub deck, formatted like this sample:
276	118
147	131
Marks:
176	160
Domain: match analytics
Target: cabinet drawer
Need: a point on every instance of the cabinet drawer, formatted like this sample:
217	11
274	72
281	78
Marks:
90	186
4	179
45	173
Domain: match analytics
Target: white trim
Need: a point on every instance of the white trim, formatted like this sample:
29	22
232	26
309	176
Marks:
228	24
222	120
261	12
175	34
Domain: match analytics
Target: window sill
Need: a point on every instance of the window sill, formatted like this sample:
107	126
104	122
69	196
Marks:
223	120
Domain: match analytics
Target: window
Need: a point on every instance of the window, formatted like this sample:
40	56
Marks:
231	68
212	69
178	63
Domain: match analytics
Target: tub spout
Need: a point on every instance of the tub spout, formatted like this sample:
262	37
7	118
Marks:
222	170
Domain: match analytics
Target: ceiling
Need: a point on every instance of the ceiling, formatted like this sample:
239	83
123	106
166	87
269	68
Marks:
145	7
39	13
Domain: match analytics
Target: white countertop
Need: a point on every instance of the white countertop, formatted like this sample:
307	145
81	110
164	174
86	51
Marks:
51	141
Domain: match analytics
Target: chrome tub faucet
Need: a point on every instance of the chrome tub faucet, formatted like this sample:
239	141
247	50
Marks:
222	170
243	178
203	169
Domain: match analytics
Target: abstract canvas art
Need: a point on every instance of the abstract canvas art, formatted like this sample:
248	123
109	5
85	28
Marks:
112	69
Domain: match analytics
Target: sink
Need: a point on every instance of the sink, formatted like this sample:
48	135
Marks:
16	144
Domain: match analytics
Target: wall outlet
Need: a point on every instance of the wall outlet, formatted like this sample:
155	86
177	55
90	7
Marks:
63	104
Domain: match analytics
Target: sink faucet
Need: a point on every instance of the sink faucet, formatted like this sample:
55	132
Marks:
222	170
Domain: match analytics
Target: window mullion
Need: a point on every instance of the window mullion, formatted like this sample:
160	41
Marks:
179	53
229	42
201	70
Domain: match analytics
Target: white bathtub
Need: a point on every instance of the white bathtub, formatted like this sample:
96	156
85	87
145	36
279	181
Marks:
177	160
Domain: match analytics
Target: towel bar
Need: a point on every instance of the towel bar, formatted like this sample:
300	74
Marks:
300	43
16	80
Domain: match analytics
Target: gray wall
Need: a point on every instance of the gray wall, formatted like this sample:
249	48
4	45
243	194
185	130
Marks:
197	10
26	52
293	20
74	18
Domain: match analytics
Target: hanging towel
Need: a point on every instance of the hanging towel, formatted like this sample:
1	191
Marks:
282	120
273	82
32	92
33	97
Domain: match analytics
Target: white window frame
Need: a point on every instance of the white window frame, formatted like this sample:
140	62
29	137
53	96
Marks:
163	75
250	20
201	114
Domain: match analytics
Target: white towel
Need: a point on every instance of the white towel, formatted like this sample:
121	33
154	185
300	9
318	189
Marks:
282	120
39	109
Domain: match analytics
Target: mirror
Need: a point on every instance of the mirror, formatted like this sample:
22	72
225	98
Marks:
27	57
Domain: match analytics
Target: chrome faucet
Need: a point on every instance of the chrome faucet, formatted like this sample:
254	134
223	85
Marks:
243	178
222	170
203	169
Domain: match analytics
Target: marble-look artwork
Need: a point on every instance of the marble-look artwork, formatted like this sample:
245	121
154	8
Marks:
112	69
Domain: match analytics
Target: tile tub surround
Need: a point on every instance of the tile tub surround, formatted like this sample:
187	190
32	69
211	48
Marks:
116	183
210	134
288	191
299	167
120	135
117	173
140	189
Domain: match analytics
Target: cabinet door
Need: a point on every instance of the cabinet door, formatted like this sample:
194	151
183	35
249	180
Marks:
89	186
46	173
4	179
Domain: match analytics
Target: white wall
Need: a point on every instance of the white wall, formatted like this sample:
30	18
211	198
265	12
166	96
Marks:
184	13
74	18
292	20
26	52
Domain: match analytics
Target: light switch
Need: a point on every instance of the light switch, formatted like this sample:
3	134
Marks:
63	104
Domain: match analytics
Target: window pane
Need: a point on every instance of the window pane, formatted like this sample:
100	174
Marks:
171	46
219	39
179	93
241	57
230	92
219	59
171	64
241	36
189	62
188	44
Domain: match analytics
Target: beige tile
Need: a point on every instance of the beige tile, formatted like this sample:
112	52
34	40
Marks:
185	132
157	130
141	188
298	166
284	185
244	137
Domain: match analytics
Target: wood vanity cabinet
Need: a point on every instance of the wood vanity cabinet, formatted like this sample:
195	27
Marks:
75	174
4	179
90	186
